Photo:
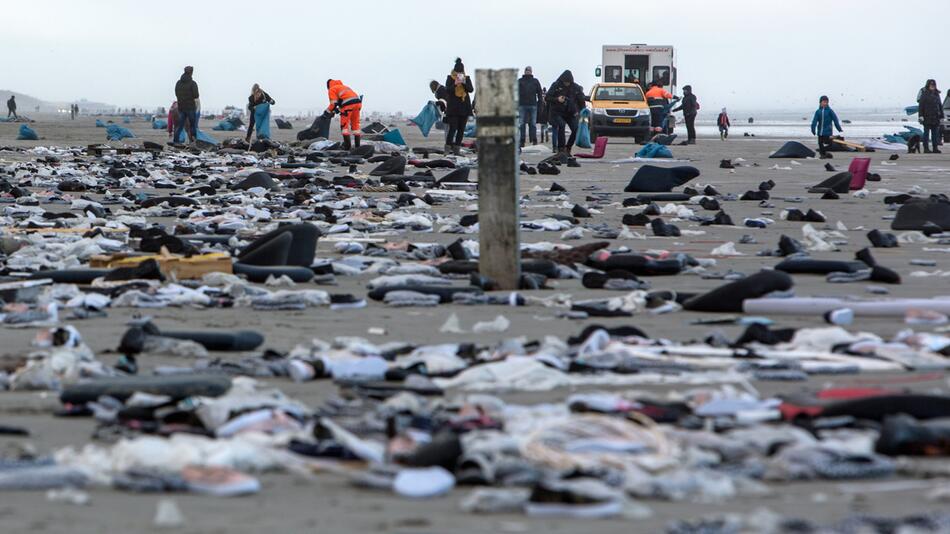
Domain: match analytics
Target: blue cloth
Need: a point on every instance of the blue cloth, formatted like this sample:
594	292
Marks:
27	134
224	126
583	131
114	132
654	150
394	137
821	123
159	124
426	118
528	118
262	120
100	124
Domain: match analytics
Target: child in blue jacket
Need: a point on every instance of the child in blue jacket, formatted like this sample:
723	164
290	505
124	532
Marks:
821	125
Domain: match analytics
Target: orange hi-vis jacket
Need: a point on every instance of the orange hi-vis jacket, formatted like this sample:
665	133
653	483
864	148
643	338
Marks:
341	96
658	92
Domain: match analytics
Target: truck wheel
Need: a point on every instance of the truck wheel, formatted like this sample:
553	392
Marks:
639	139
946	136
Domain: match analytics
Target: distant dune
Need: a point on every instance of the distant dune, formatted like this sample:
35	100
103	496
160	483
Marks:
27	103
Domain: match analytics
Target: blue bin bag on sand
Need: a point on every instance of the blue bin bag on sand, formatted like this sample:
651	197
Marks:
100	124
126	120
471	130
224	126
654	150
159	124
27	134
426	118
583	130
394	137
262	120
114	132
207	138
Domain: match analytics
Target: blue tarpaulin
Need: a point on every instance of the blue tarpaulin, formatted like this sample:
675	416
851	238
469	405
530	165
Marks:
27	134
114	132
583	131
654	150
394	137
262	120
426	118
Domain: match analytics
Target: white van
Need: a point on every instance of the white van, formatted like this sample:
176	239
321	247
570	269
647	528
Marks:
638	63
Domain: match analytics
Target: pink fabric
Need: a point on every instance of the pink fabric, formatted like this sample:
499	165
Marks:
172	117
859	172
600	146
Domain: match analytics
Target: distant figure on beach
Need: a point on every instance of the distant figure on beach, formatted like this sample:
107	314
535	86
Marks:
930	113
348	104
258	96
11	107
821	125
458	107
172	120
189	105
72	112
565	101
723	122
690	107
529	100
657	98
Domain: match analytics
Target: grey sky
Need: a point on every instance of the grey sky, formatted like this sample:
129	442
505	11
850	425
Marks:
744	54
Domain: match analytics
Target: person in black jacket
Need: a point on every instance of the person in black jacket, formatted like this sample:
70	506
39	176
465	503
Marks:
565	101
258	96
458	106
529	100
930	112
189	105
11	107
690	107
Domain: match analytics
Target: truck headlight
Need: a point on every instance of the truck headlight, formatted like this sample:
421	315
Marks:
599	111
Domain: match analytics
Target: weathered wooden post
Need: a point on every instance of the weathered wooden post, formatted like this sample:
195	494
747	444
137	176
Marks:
498	221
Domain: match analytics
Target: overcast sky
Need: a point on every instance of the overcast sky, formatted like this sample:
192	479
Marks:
744	54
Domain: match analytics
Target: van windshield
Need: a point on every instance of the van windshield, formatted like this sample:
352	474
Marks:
625	94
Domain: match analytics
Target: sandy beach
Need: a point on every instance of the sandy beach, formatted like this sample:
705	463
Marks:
328	503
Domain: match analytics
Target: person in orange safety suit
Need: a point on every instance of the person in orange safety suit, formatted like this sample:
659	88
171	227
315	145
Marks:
348	104
657	98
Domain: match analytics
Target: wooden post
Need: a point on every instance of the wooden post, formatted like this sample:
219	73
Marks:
498	221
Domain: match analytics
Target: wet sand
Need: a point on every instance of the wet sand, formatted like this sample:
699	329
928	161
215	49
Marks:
326	503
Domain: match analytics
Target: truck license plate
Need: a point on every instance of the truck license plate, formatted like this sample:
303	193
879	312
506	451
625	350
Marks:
623	121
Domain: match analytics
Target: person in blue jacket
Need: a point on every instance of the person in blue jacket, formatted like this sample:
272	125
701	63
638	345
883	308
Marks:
821	125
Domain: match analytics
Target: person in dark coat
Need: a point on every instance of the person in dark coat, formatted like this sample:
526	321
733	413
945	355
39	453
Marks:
189	105
565	101
543	115
458	106
258	96
690	107
930	113
529	100
11	107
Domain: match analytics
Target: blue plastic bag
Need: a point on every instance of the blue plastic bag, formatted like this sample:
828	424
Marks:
471	130
654	150
583	130
394	137
100	124
262	120
224	126
159	124
126	120
201	136
27	134
114	132
426	118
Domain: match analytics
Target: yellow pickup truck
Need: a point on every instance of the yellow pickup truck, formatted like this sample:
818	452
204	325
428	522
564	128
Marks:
618	110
